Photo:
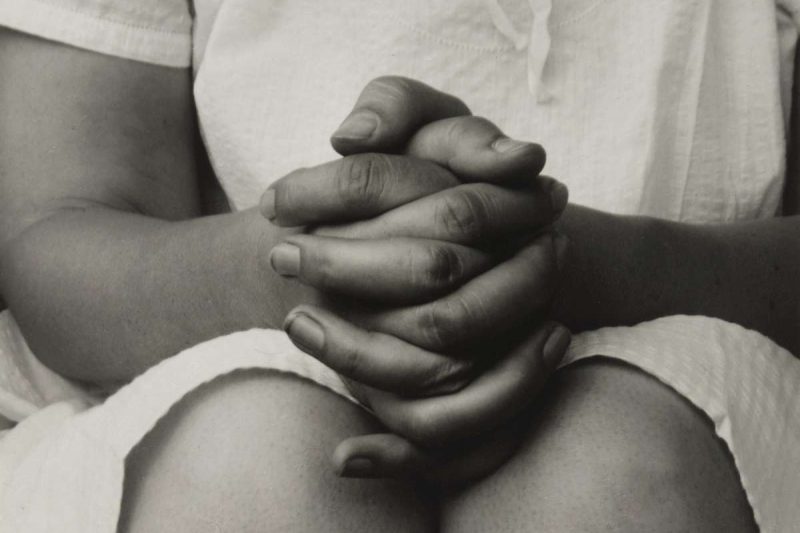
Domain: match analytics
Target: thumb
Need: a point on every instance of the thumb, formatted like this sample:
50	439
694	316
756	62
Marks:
389	111
477	150
387	455
381	455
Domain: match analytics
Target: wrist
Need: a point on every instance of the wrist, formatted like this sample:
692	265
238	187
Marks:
598	282
279	294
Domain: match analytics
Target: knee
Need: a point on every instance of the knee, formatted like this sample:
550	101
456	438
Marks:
252	449
243	425
639	457
613	449
609	484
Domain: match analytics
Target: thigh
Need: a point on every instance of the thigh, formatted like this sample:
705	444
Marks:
251	452
610	449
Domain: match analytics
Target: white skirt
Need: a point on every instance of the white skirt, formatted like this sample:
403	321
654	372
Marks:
62	468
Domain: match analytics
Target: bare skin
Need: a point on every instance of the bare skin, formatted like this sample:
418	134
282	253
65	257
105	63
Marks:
622	270
120	226
610	449
251	452
130	223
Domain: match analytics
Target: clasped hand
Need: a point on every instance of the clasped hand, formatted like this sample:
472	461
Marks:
430	242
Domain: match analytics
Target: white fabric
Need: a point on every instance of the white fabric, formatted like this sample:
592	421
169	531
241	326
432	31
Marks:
748	386
537	41
675	109
154	31
26	385
62	470
672	109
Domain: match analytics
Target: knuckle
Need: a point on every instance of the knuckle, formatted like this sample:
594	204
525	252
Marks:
320	270
286	196
457	127
471	127
458	313
450	377
477	121
396	88
464	214
350	362
361	179
419	426
471	124
441	268
445	322
431	328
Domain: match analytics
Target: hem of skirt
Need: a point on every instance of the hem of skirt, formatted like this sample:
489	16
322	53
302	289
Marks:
130	414
672	350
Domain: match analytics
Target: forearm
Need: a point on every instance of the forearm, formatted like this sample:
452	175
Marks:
101	295
624	270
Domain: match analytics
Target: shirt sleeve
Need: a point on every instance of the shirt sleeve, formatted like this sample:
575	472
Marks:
151	31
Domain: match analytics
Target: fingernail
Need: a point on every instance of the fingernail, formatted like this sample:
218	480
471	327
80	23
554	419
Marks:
561	244
267	204
305	332
559	194
285	259
358	126
505	144
358	467
556	345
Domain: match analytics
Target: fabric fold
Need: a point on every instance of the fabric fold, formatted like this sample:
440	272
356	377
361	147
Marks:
537	41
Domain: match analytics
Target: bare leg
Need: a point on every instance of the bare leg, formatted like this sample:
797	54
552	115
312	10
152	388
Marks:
250	452
612	449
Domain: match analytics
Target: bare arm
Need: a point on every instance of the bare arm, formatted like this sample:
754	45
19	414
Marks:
102	259
628	269
625	270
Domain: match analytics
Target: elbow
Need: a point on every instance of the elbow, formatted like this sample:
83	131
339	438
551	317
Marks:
37	276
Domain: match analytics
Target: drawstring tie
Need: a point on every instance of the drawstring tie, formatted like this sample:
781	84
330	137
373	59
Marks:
537	40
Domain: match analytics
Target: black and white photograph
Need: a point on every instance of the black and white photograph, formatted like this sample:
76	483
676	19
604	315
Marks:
399	266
